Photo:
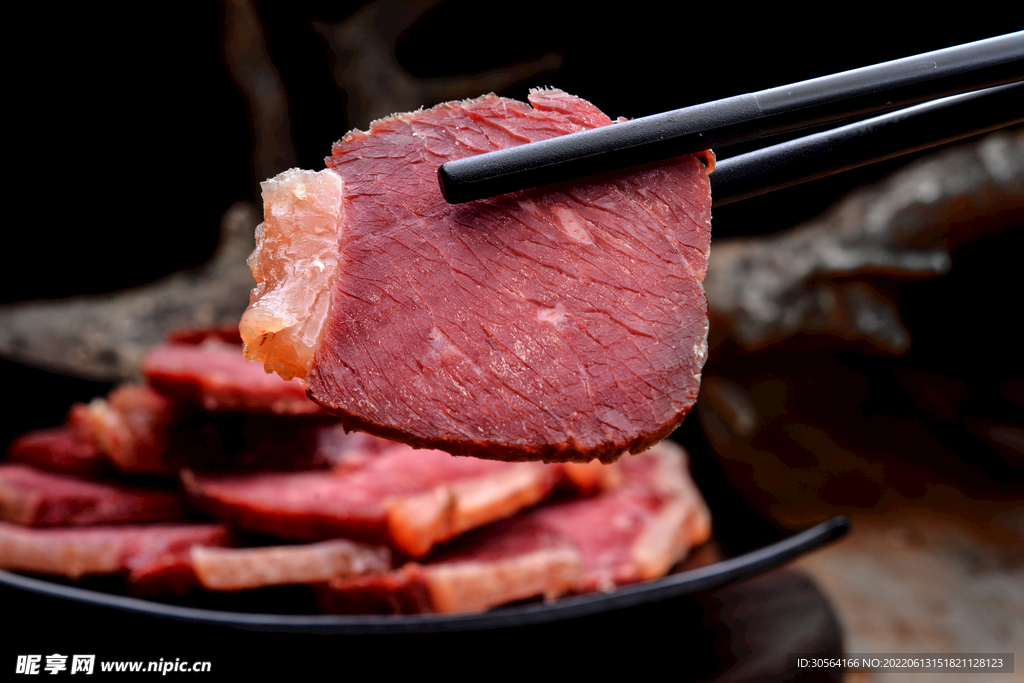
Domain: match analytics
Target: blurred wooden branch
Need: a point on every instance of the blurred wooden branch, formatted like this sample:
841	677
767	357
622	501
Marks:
376	84
104	337
816	278
253	71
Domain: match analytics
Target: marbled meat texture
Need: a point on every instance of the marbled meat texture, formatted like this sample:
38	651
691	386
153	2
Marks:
633	533
407	499
564	323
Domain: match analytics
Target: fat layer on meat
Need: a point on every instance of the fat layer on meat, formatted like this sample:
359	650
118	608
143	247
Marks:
215	376
635	532
33	497
58	449
408	499
232	569
131	427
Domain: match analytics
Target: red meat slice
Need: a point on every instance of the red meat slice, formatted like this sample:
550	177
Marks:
100	549
140	431
639	530
198	335
634	533
408	499
59	449
132	427
253	442
561	324
35	498
215	376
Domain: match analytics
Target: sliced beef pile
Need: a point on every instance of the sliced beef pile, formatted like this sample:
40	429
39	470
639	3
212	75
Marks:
61	449
405	498
564	323
37	498
210	375
74	552
372	525
633	533
106	484
512	560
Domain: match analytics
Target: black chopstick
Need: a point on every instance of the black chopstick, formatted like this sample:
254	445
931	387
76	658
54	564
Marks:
865	142
850	94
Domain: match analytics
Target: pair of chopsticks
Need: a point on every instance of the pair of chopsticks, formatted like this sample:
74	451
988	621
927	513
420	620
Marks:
956	92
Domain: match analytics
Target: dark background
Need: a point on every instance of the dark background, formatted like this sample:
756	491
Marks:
130	139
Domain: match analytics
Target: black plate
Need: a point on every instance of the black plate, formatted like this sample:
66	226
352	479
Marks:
686	582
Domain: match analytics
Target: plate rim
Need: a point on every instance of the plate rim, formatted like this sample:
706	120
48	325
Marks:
674	585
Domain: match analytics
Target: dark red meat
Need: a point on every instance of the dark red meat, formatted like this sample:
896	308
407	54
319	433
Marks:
59	449
101	549
564	323
131	427
244	441
405	498
215	376
35	498
633	533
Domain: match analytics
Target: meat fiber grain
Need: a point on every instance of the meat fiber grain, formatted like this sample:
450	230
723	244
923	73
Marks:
563	323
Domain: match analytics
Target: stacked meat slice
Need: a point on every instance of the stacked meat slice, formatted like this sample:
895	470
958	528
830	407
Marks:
632	533
563	323
213	477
